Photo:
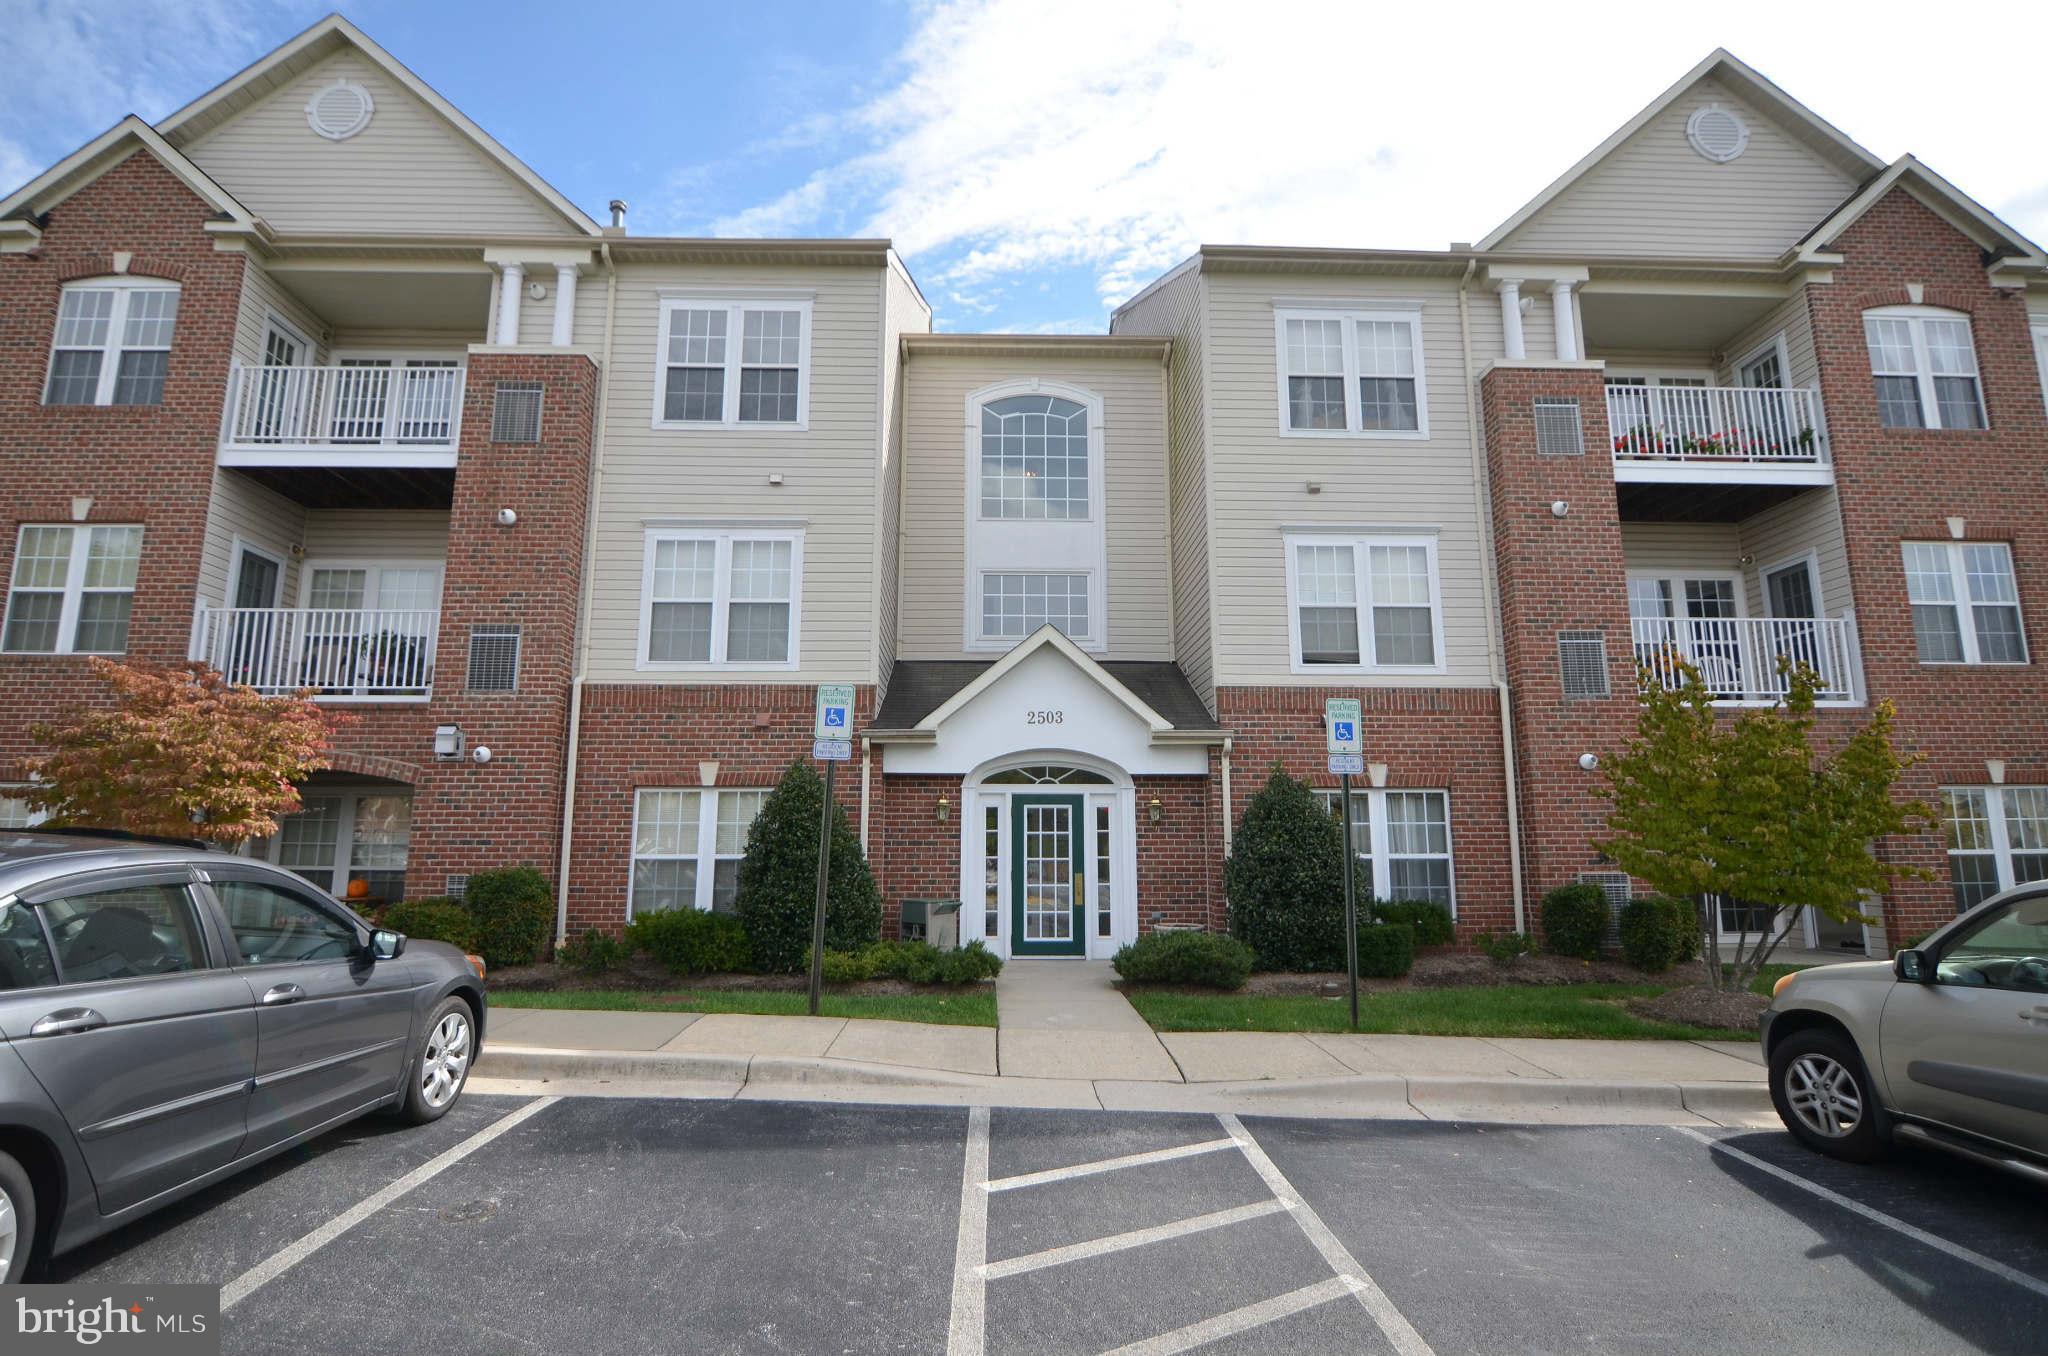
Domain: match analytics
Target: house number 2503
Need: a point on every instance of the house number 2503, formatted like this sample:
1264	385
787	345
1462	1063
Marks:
1045	717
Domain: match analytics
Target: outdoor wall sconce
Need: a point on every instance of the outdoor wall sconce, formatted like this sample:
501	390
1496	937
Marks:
482	753
447	741
945	809
1155	811
1589	761
707	773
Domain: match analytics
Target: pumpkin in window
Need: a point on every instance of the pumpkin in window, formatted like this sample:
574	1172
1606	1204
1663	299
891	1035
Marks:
359	888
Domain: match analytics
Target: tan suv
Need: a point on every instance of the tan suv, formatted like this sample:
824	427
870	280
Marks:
1947	1044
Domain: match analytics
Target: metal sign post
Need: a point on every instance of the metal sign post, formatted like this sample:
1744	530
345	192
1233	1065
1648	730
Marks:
831	744
1347	755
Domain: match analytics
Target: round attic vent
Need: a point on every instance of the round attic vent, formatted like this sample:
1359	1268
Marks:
1716	133
339	111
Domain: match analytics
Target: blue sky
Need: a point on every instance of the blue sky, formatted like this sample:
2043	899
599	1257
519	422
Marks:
1039	160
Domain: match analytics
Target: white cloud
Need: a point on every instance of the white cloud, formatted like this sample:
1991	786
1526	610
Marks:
1031	135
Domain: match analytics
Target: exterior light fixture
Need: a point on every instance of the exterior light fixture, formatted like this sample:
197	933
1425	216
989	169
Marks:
1558	508
447	741
1589	761
945	809
482	753
1155	811
507	517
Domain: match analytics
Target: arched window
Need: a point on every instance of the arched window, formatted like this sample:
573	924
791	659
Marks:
1035	544
1047	774
113	343
1034	458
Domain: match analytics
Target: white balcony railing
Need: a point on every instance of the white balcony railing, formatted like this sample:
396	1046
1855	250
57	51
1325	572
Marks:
341	654
1721	425
1737	658
357	409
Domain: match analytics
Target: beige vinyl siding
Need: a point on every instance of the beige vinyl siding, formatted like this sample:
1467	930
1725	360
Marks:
1259	478
1177	307
677	475
1655	196
1682	548
349	536
239	507
902	311
407	172
1789	318
1810	522
934	586
262	297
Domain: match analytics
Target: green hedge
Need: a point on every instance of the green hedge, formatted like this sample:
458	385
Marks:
593	953
912	962
1505	948
778	878
514	908
691	942
1575	921
1205	959
1386	950
1658	933
434	919
1285	879
1431	921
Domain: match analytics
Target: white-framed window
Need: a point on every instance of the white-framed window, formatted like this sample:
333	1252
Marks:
113	342
72	590
1997	838
2041	358
16	812
1013	605
1034	514
1034	458
337	838
1364	604
1351	373
1966	603
687	846
1403	838
1924	362
733	363
726	598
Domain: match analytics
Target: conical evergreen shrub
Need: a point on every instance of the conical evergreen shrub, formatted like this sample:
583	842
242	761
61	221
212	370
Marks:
778	881
1285	879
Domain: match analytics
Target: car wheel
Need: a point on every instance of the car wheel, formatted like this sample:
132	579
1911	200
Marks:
439	1066
1825	1096
17	1220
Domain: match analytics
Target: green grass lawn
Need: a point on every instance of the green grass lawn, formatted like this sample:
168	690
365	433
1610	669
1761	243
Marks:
975	1006
1593	1010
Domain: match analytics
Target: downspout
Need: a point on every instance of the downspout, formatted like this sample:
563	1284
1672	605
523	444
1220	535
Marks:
611	300
1483	520
1226	796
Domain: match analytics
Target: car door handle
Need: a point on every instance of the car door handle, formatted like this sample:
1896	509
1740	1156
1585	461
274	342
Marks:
2038	1016
282	993
66	1021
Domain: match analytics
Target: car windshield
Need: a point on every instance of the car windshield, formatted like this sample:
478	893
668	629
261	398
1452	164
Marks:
2008	950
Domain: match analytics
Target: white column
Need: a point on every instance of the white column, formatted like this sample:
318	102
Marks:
1511	317
565	305
511	282
1562	320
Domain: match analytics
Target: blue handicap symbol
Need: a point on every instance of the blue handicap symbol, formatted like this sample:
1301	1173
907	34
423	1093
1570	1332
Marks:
835	717
1344	733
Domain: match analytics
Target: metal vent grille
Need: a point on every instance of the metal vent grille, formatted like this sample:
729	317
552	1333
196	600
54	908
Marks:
458	886
493	658
515	412
1613	884
1559	430
1582	663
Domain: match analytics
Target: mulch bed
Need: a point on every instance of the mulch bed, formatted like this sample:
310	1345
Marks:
643	975
1459	970
1698	1005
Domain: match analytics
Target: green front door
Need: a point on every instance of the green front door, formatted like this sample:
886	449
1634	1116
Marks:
1046	897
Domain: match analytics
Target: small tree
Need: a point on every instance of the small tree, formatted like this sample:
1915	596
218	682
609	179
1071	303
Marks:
181	752
1285	879
1748	811
778	883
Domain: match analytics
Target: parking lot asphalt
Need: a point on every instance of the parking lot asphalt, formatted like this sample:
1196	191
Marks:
597	1226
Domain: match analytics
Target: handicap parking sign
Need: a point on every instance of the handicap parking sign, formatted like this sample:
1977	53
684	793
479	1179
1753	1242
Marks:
835	711
1340	725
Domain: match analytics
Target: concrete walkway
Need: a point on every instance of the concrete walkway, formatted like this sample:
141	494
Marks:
1065	1019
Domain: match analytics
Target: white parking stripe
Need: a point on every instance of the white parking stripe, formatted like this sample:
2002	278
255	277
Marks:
964	1332
1406	1340
1108	1165
1137	1238
1914	1232
289	1256
1238	1320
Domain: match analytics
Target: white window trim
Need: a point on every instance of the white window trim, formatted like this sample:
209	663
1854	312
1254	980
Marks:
735	329
117	327
275	323
706	857
1661	376
1410	316
985	556
242	546
1966	623
2041	357
1773	345
311	565
74	586
2001	838
1381	854
721	600
1811	560
1923	364
1361	562
1677	580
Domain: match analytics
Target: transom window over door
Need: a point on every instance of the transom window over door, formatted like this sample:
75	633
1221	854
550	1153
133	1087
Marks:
1351	373
113	342
733	363
1035	549
720	599
1924	363
1364	603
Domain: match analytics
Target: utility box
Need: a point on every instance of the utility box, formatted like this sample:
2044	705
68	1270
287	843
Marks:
932	920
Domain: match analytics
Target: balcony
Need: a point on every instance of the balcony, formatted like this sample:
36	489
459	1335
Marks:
363	416
1709	434
1737	658
340	654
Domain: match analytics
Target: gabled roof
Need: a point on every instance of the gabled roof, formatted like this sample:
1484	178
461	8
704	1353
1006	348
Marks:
1722	64
104	151
1943	198
333	34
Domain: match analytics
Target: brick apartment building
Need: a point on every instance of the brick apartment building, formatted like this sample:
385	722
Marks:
315	381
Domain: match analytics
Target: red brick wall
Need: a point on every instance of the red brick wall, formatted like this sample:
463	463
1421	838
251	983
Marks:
1440	739
147	464
914	853
1903	484
1180	858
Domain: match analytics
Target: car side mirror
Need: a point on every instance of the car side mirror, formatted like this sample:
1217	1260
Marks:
1914	967
386	944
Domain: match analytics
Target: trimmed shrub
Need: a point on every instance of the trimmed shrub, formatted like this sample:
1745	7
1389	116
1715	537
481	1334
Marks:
1505	948
1431	921
1205	959
1386	950
1575	921
847	967
690	941
778	878
434	919
969	964
593	953
1657	933
912	962
1285	879
514	908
